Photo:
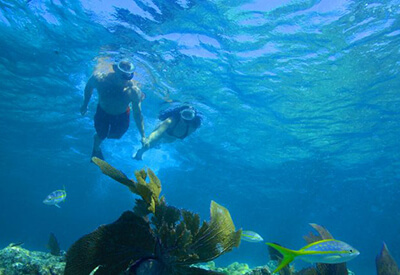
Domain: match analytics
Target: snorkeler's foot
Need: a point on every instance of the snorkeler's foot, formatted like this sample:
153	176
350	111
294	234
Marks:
138	155
97	153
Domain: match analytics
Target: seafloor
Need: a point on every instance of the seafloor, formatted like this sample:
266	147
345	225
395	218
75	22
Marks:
15	260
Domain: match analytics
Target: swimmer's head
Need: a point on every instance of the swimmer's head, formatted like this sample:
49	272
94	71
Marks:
126	69
188	113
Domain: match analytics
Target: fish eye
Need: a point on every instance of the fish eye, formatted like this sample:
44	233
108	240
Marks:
351	250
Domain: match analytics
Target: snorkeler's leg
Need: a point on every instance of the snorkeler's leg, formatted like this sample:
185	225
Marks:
139	153
96	147
145	146
102	123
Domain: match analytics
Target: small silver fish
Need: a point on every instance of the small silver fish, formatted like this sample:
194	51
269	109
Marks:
54	198
251	236
16	244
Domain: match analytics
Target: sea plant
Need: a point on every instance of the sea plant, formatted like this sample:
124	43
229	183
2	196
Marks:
154	238
53	245
385	264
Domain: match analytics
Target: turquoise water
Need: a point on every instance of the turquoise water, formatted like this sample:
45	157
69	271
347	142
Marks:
301	103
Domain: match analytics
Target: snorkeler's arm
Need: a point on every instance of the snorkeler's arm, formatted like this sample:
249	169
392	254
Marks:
88	94
158	132
153	138
137	115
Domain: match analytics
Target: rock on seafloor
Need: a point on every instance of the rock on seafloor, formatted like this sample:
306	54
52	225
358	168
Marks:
15	260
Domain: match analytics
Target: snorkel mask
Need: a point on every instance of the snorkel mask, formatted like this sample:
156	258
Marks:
188	114
126	69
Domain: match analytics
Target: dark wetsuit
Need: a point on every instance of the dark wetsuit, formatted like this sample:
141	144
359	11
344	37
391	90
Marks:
193	124
174	112
111	126
171	130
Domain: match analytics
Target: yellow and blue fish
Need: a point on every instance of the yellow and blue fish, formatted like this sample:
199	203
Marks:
54	198
251	236
327	251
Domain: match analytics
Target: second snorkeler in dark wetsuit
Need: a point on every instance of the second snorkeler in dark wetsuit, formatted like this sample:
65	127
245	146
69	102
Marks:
177	123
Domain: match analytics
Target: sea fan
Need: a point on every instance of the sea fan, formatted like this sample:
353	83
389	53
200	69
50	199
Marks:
155	238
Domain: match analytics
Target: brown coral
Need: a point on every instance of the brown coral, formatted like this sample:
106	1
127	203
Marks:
111	246
53	245
155	238
385	264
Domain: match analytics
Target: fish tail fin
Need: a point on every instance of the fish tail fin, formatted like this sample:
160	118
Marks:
288	256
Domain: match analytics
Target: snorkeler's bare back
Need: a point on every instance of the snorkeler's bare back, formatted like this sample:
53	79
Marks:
114	95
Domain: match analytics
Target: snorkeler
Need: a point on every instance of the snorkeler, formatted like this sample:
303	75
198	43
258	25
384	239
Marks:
116	91
176	123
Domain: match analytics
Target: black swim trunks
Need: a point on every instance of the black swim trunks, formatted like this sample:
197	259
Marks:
111	126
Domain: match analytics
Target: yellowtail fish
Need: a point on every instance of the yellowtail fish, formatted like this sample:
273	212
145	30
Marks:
54	198
327	251
251	236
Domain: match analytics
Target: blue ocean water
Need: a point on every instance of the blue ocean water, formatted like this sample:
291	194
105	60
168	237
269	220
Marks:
301	103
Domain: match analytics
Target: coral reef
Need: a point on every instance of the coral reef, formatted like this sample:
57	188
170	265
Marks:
260	271
154	238
233	269
385	264
15	260
241	268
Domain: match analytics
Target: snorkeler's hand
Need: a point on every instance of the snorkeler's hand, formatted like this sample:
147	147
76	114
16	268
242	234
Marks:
138	155
143	141
83	110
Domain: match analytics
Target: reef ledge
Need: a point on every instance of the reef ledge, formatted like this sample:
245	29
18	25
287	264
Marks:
15	260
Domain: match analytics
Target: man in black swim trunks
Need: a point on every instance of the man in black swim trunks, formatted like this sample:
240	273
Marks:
116	91
177	123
